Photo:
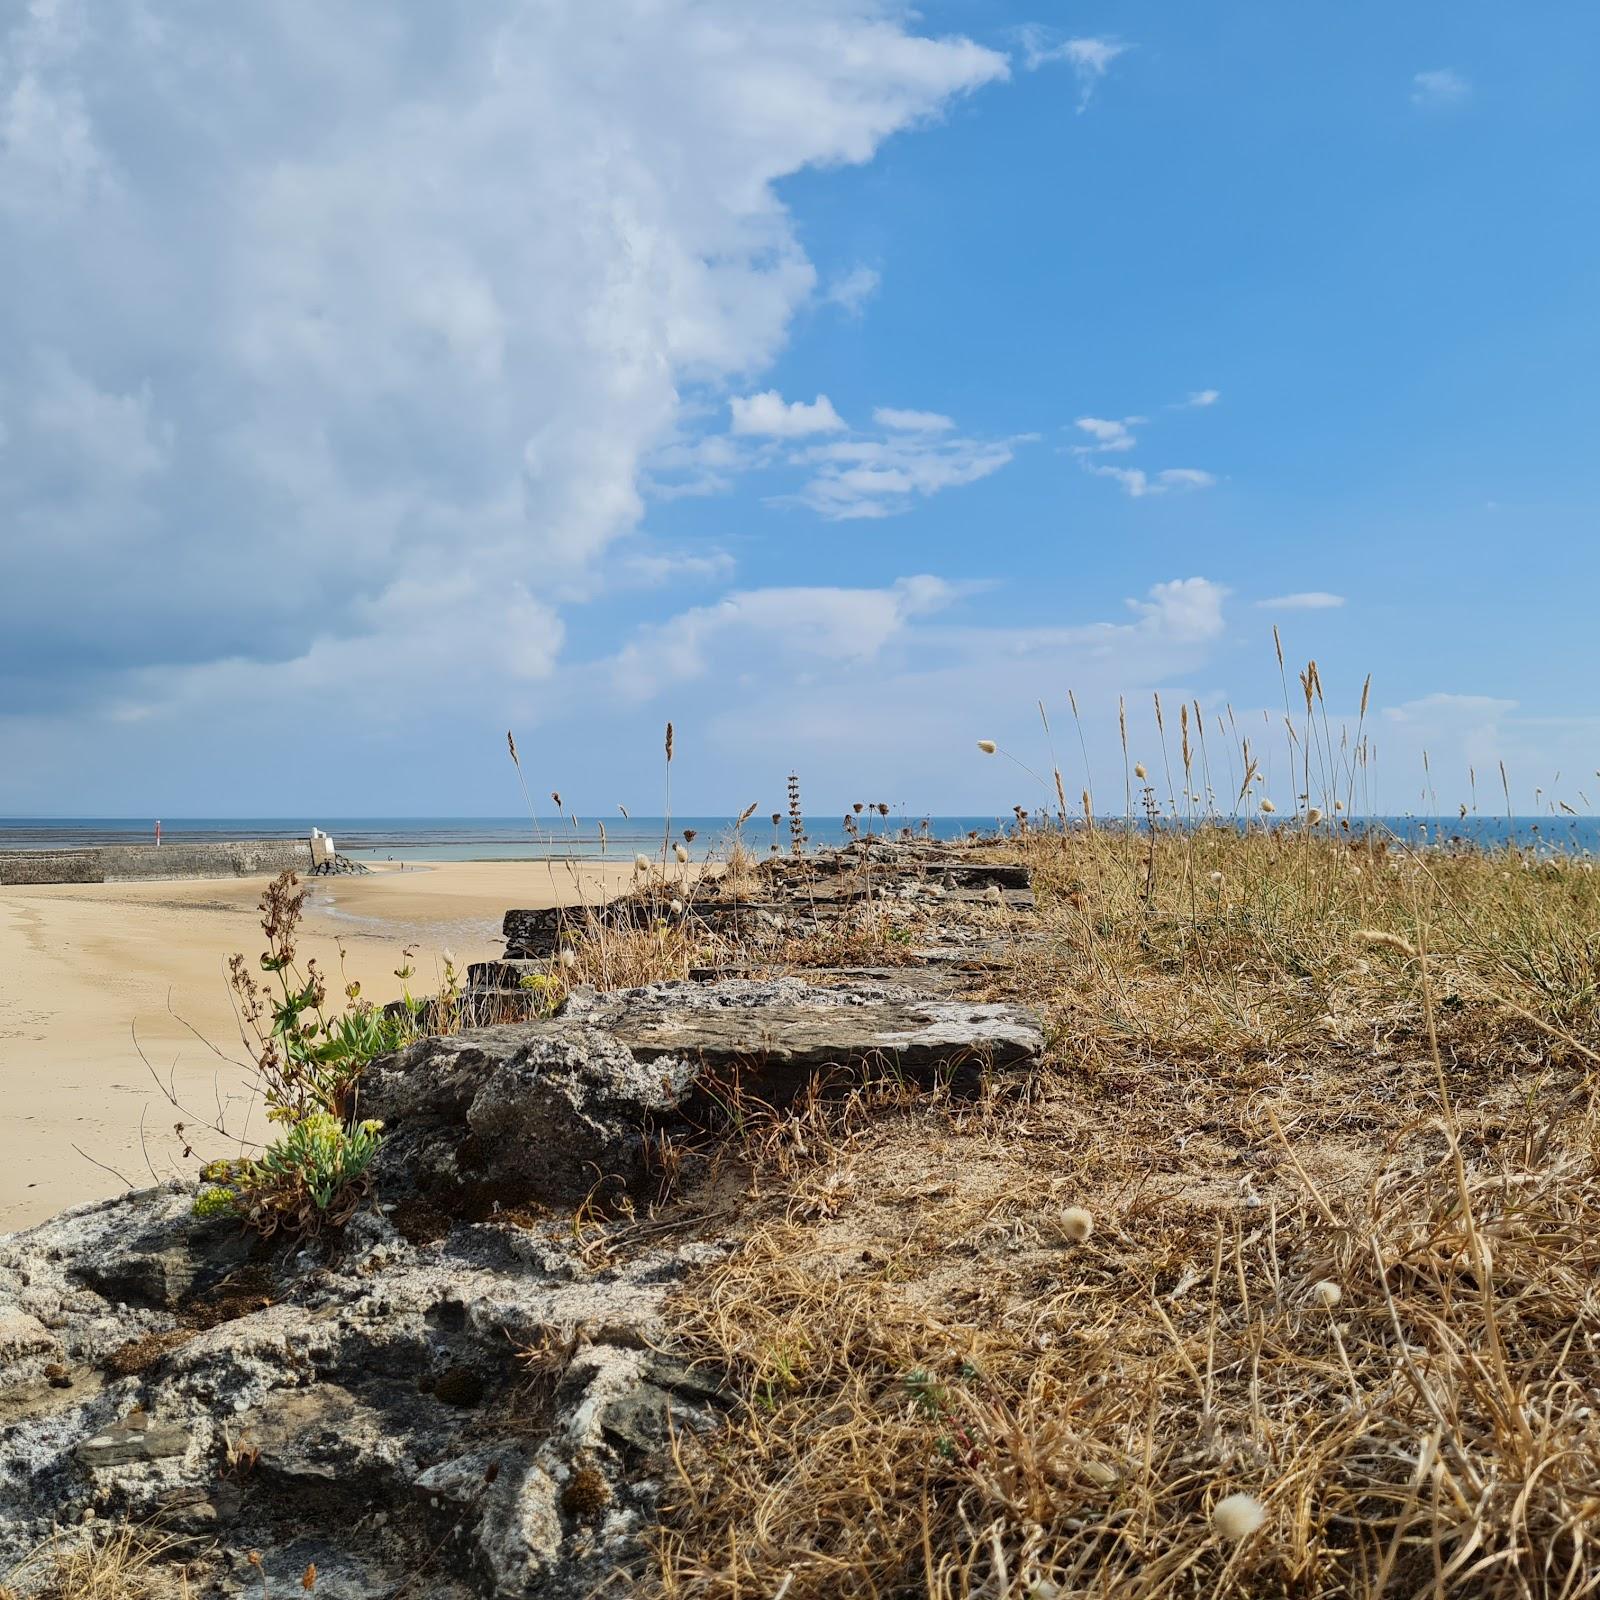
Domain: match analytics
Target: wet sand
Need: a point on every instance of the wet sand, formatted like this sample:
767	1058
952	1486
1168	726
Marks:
90	974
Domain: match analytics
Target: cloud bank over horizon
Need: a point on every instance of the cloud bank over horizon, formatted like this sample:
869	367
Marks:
344	409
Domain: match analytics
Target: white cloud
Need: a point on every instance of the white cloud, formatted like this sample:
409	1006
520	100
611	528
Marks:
1440	89
1203	397
652	569
1306	600
447	312
1107	433
1473	710
1089	58
768	415
852	290
880	693
1138	483
912	421
804	625
1466	737
1186	609
913	455
884	477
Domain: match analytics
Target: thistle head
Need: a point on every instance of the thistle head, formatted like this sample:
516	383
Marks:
988	746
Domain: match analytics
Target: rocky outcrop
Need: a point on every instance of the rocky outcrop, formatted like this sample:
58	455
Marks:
466	1391
791	895
488	1404
550	1110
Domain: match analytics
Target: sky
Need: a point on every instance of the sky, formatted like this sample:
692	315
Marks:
838	380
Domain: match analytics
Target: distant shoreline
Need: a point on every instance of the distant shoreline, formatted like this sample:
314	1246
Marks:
419	840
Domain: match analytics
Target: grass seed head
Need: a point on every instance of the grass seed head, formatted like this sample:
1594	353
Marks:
1078	1222
1238	1516
988	746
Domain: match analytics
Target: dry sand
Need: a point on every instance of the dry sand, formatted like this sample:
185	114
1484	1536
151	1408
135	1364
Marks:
85	967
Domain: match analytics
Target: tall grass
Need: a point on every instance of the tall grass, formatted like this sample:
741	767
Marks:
1305	1210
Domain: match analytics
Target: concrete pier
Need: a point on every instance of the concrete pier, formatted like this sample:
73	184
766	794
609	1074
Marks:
117	863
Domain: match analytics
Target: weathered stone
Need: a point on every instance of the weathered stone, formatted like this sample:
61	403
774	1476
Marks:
135	1438
549	1109
536	935
785	1030
23	1335
170	1259
326	1405
507	974
541	1110
340	1575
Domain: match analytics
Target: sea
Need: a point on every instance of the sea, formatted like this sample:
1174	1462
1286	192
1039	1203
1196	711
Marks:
519	839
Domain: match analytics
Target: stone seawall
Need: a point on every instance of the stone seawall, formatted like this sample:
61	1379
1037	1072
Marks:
236	858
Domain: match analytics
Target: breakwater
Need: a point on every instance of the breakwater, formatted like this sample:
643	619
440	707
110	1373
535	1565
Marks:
118	863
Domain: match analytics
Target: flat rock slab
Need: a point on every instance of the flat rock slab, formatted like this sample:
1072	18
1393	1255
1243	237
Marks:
784	1026
547	1110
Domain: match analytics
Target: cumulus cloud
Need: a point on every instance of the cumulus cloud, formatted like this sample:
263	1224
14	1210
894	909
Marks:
269	377
1186	609
1440	89
769	415
1305	600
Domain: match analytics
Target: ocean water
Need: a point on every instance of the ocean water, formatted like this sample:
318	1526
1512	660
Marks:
515	838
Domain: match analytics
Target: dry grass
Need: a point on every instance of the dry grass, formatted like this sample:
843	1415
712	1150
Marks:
114	1563
948	1392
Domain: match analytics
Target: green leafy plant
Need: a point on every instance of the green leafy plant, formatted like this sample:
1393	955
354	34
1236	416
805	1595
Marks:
309	1059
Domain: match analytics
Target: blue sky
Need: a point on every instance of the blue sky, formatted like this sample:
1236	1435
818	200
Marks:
837	383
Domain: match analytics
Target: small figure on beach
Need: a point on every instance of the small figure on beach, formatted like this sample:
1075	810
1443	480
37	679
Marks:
158	833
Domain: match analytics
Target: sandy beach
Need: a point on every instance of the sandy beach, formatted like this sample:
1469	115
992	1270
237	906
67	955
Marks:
86	969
